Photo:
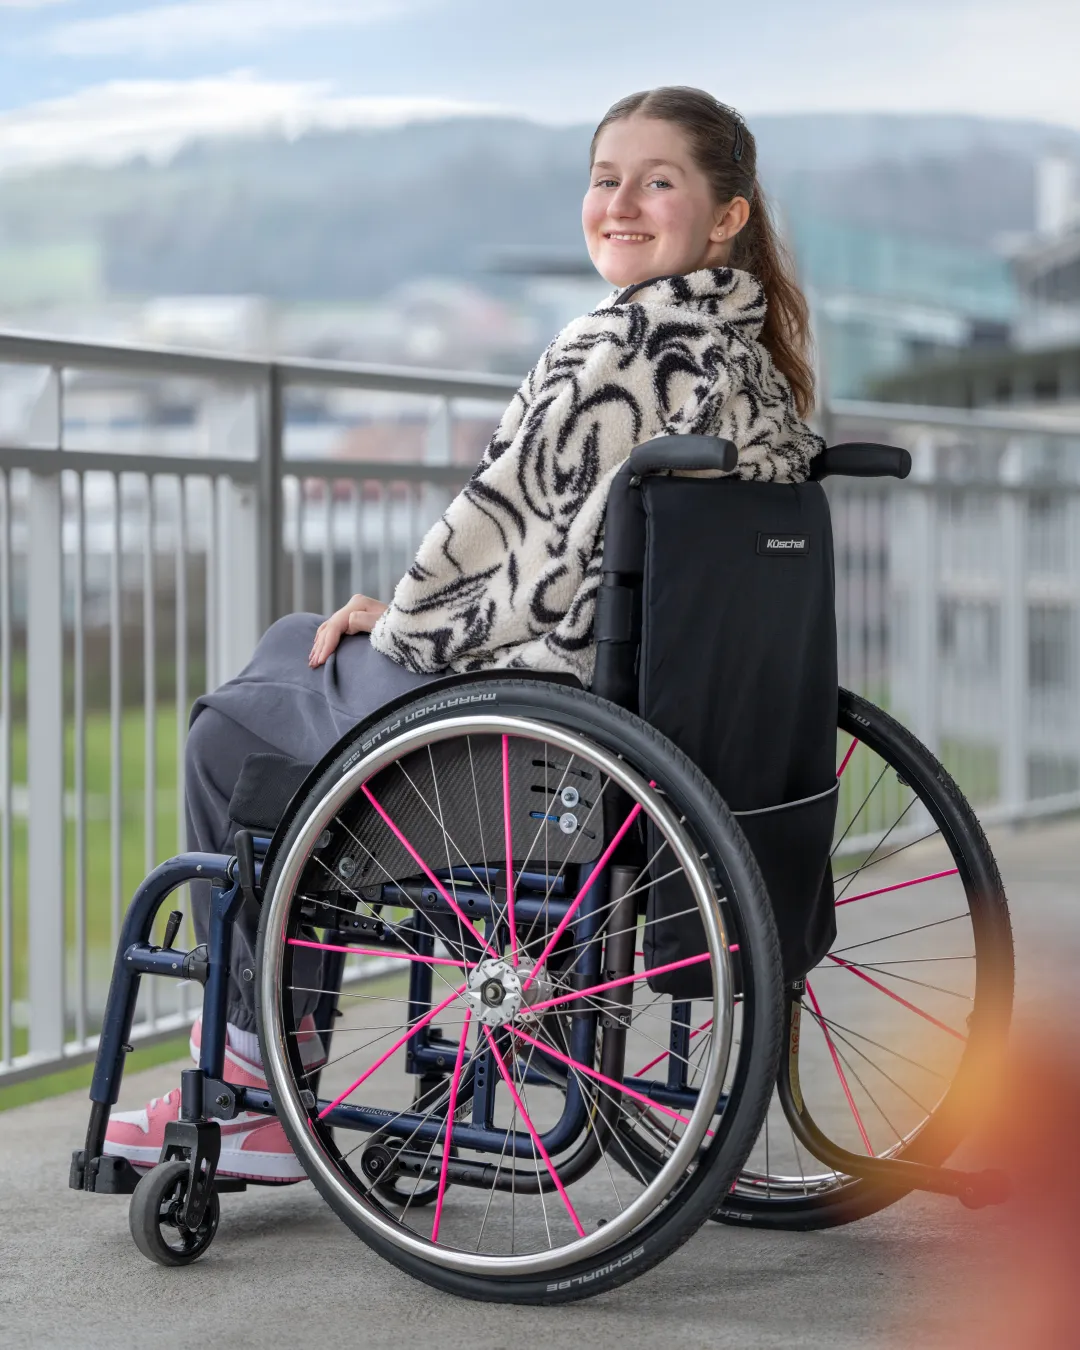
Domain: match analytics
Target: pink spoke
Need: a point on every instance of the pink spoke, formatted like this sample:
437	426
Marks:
614	984
509	849
532	1131
919	1011
850	752
568	916
600	1077
840	1071
450	1109
664	1054
916	881
376	951
421	1022
427	871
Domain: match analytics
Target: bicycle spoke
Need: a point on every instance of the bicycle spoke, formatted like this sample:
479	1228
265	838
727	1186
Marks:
893	995
454	1083
899	886
462	916
509	851
903	932
537	1141
850	752
840	1073
422	1022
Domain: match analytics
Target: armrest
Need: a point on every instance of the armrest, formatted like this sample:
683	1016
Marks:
667	454
859	460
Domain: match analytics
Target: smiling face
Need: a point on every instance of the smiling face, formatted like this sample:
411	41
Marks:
649	210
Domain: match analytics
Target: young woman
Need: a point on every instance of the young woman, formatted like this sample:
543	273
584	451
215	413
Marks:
706	332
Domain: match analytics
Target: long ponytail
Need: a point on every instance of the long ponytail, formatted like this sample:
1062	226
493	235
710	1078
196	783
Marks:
725	150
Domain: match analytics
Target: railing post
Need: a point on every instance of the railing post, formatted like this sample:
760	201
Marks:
923	581
238	584
1014	637
438	449
272	600
45	765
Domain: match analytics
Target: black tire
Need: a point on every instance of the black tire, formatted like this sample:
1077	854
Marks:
715	829
944	1130
151	1216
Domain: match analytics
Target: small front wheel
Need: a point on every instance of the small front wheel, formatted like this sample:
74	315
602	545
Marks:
154	1217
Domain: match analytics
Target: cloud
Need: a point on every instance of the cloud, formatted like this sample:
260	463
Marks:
31	4
193	24
111	122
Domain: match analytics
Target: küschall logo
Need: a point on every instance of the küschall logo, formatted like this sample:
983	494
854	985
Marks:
783	545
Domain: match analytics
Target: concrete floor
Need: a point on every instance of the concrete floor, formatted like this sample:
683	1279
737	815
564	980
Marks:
283	1271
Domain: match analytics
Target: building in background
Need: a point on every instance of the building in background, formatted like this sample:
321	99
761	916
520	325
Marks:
882	301
1040	365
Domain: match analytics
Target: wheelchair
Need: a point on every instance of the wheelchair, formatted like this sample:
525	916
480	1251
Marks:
713	939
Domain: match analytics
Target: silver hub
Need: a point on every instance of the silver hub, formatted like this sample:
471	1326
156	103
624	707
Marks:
494	992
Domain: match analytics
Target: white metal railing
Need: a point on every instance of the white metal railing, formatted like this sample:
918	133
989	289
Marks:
158	509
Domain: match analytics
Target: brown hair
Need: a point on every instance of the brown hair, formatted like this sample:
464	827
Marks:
724	149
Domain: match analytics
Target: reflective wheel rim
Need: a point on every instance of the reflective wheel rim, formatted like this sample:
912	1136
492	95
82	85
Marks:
886	1016
460	1014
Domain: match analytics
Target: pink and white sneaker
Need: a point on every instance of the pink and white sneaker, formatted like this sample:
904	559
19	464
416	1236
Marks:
253	1146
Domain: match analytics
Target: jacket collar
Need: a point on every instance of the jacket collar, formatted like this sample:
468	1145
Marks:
726	293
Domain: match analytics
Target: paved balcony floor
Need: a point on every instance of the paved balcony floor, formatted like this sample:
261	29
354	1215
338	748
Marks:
283	1271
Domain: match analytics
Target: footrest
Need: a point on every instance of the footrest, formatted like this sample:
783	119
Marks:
113	1175
106	1175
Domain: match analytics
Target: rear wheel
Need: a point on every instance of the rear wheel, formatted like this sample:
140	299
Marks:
911	1005
490	843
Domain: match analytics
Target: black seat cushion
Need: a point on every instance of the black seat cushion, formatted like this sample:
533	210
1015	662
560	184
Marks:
266	786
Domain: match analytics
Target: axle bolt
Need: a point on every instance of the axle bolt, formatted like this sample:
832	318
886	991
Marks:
493	993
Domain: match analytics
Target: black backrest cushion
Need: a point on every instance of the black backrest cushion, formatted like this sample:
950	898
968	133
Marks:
738	667
738	660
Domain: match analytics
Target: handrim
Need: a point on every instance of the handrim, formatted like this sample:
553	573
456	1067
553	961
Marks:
287	1097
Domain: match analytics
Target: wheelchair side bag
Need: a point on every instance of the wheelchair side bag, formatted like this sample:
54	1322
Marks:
738	668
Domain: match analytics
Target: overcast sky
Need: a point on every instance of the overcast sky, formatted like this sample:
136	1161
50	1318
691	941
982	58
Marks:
103	77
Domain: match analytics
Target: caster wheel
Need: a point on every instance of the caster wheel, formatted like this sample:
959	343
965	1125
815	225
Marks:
154	1222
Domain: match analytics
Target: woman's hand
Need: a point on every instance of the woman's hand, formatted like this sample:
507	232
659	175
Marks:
357	615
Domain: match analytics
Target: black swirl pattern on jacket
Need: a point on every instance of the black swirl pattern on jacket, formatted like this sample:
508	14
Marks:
508	576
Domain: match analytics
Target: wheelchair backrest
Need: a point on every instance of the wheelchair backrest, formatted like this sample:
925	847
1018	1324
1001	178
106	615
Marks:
716	623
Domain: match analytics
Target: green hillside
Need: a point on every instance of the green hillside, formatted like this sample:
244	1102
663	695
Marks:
350	214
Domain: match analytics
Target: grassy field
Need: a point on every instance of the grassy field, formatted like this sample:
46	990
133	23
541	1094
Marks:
69	1080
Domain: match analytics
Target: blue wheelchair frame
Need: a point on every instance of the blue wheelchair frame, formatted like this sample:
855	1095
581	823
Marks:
204	1093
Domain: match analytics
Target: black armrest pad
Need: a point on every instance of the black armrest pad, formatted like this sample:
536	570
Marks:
861	460
667	454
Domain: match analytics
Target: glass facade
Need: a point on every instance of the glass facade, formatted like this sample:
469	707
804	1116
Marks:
881	300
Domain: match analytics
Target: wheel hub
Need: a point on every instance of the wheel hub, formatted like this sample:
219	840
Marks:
494	993
497	993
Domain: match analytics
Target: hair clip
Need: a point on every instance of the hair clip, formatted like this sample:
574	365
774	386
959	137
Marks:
736	153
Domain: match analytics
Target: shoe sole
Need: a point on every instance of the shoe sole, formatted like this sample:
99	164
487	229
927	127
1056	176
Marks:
273	1168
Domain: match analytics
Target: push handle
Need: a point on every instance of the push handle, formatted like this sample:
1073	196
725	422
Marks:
861	460
669	454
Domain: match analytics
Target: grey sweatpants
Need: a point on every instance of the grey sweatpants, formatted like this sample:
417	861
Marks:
277	703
